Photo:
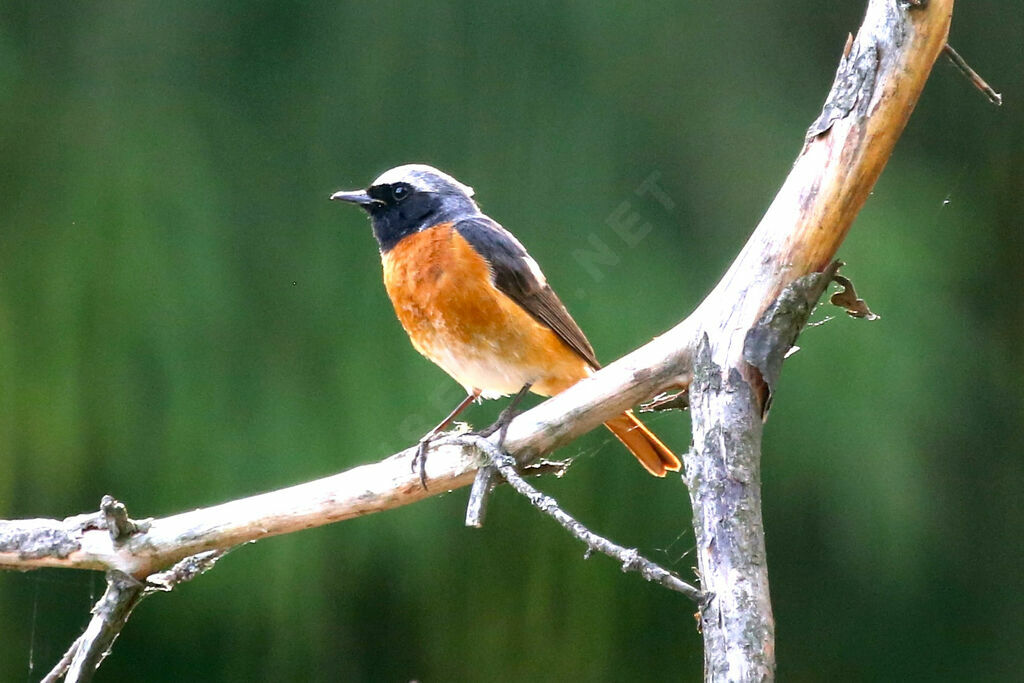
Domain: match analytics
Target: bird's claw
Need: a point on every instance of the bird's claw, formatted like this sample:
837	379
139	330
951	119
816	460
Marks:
419	461
506	417
500	425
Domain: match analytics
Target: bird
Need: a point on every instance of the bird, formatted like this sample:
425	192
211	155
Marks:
473	301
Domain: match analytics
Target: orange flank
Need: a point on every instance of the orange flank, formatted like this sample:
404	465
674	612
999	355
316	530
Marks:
442	293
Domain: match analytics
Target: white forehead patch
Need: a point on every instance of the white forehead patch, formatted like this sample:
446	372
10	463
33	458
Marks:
422	177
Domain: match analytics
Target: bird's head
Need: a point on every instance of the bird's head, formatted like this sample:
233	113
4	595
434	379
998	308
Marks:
410	198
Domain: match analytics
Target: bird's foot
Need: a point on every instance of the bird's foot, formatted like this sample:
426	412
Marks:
501	425
419	461
511	410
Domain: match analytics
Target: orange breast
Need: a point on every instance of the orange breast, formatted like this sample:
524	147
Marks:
442	293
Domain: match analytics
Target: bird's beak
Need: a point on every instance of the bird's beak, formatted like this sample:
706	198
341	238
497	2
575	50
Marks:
355	197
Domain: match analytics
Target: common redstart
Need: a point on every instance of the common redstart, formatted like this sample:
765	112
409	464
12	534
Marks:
474	302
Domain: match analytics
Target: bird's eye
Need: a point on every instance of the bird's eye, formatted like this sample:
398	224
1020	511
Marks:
400	192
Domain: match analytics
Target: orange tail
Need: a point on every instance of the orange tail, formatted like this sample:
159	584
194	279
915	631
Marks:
641	442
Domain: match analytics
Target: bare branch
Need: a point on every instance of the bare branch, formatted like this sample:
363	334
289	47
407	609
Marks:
184	571
122	595
723	475
109	615
83	541
629	558
879	79
973	76
479	496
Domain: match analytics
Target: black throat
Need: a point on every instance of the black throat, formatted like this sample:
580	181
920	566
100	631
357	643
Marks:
392	221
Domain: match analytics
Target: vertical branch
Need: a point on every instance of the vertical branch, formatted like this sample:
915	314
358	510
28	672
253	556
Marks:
880	77
723	474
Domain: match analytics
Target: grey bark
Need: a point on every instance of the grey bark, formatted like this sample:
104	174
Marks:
723	474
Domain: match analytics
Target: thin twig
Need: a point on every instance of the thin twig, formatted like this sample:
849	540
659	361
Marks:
479	496
111	612
483	486
109	615
630	559
976	80
185	570
59	669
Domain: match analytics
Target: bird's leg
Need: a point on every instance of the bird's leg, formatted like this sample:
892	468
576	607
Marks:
501	425
421	450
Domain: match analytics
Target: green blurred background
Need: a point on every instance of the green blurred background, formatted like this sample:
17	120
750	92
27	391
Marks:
185	319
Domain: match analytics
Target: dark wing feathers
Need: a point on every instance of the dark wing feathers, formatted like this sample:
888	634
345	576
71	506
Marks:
514	273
